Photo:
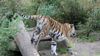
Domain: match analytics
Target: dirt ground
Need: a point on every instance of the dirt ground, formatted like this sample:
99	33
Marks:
88	49
82	49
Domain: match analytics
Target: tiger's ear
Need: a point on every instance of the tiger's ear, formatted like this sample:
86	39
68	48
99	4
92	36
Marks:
72	25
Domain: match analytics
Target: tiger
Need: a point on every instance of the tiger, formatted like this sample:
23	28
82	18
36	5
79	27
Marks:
58	32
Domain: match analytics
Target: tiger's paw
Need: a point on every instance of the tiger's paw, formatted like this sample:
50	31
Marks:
54	54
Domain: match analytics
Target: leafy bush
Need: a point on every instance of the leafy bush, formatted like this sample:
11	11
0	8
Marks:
95	15
46	9
72	11
92	25
7	32
84	38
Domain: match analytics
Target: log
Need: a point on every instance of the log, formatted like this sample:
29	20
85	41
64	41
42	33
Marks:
23	42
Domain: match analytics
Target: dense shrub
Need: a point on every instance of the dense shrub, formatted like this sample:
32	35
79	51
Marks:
7	32
92	25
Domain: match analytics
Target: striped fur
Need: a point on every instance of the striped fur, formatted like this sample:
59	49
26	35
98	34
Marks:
46	26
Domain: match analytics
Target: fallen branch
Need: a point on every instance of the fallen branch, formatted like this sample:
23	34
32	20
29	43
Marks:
23	42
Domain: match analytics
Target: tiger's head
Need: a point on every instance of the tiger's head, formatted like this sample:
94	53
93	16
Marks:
70	30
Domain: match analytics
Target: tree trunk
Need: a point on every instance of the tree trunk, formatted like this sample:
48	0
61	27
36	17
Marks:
23	42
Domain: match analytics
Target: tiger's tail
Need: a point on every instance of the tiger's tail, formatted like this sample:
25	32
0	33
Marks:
22	16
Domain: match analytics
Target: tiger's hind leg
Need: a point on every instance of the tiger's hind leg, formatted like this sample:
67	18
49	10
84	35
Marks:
35	35
53	48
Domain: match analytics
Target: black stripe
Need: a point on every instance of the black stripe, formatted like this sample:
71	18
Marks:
38	30
52	35
54	44
32	40
57	36
61	34
52	28
55	30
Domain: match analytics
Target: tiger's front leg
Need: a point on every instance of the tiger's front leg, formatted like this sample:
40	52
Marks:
69	48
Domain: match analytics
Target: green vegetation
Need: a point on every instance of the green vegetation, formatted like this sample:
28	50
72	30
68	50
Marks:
85	14
61	50
84	38
7	32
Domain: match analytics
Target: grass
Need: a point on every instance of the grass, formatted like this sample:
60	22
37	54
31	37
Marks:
61	50
84	38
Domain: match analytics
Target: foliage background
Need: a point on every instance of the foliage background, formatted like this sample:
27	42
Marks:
84	14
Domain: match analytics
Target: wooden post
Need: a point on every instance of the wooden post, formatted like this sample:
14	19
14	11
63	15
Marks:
23	41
